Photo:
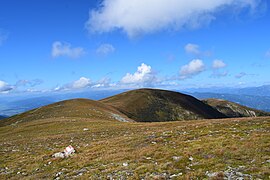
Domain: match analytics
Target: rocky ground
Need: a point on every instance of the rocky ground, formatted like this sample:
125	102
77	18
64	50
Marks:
210	149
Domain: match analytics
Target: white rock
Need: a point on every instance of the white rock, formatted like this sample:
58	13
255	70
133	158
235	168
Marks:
58	174
59	155
176	175
125	164
177	158
85	129
214	174
191	158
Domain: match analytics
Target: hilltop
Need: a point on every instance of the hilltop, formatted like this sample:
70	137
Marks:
142	105
75	108
148	105
231	109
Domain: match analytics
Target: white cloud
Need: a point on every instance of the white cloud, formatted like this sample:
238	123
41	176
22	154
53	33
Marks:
65	49
103	83
4	87
105	49
83	82
218	64
192	49
143	75
146	16
194	67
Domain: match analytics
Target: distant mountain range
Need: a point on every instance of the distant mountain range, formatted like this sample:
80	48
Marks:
142	105
254	97
257	102
14	105
252	91
2	117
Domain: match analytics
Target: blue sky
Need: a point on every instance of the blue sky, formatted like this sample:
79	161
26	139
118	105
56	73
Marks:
68	45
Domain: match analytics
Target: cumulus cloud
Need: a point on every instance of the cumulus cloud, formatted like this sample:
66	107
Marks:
146	16
105	49
4	87
192	49
218	64
81	83
143	75
194	67
65	49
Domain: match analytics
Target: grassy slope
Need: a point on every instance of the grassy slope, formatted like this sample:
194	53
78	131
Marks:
160	105
148	148
233	109
81	108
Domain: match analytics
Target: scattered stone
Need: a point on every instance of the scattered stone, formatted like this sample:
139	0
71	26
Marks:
82	171
177	158
119	118
235	173
176	175
211	175
67	152
80	174
59	155
125	164
191	158
85	129
110	177
58	174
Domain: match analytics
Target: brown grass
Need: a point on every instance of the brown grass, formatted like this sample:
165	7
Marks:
148	148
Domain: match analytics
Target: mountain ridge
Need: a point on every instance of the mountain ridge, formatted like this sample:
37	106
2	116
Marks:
141	105
148	105
232	109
